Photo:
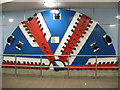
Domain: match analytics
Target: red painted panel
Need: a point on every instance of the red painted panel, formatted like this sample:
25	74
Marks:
36	31
74	38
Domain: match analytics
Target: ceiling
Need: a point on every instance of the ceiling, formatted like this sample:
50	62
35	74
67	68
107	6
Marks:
13	6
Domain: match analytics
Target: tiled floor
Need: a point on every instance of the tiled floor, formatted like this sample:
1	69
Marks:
51	79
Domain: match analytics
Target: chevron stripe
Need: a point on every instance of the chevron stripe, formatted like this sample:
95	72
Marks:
82	40
30	39
36	29
68	32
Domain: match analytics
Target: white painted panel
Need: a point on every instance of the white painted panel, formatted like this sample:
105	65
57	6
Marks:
45	28
30	39
26	59
54	39
93	60
65	37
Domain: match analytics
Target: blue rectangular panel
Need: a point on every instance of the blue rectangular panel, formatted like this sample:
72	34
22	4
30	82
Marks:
106	16
18	17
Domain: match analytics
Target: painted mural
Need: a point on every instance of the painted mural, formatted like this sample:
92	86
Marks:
60	32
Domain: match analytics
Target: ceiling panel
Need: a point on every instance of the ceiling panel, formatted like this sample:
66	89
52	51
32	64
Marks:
40	5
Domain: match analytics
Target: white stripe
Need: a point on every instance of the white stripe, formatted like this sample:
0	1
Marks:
45	28
93	60
82	40
26	59
65	37
30	39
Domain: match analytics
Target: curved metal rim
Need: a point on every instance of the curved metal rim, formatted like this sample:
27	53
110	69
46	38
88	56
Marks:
57	60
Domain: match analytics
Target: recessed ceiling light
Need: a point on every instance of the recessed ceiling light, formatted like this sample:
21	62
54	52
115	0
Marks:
112	25
49	4
11	20
54	11
118	17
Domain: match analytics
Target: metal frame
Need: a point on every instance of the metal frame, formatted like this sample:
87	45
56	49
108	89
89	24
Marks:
96	67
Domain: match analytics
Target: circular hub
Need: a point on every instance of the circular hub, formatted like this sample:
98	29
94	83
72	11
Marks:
58	63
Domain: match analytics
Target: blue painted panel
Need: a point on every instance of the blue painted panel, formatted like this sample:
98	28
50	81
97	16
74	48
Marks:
57	27
26	48
96	36
113	33
55	31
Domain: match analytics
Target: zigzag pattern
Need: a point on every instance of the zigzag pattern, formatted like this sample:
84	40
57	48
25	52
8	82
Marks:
110	66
